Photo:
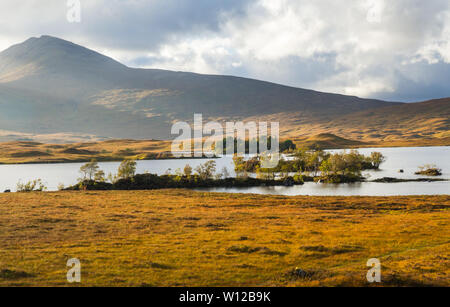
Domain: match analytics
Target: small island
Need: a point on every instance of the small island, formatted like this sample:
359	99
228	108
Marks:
429	170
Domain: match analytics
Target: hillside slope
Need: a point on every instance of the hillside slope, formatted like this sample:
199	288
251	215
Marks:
424	123
48	85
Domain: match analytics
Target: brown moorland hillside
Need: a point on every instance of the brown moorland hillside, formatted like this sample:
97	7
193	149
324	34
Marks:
413	124
328	141
113	150
117	150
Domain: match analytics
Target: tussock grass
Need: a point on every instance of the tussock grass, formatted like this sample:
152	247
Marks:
6	274
185	238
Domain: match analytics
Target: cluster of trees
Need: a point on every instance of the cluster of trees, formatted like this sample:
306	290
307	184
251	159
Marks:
92	172
31	186
304	165
314	163
285	146
152	181
203	176
350	163
205	171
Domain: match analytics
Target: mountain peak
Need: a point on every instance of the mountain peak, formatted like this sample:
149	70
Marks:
46	37
50	37
51	53
43	39
42	42
50	64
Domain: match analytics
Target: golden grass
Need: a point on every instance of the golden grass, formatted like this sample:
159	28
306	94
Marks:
185	238
412	124
114	150
117	150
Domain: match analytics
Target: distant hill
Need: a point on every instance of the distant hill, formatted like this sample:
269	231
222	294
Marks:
422	124
111	150
49	85
328	141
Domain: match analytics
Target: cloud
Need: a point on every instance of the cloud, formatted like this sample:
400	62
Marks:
395	50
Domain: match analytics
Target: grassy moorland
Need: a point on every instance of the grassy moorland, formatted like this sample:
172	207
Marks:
411	124
117	150
327	140
185	238
114	150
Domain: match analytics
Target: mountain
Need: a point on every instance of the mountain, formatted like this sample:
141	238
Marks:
49	86
52	65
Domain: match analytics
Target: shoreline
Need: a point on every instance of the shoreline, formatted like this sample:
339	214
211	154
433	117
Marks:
20	152
99	160
120	159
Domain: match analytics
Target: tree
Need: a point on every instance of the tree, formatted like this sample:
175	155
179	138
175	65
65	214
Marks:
100	176
300	159
377	159
266	173
287	146
314	160
337	163
89	169
353	162
206	170
326	167
112	178
179	173
225	173
239	164
127	169
285	168
187	171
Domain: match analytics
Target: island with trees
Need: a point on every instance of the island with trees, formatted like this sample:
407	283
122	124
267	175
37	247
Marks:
302	166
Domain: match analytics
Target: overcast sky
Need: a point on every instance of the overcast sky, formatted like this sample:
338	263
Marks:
394	50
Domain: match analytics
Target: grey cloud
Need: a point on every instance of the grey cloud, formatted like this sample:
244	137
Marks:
372	48
420	82
145	25
131	24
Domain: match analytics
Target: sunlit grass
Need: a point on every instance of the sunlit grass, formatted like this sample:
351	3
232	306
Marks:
114	150
184	238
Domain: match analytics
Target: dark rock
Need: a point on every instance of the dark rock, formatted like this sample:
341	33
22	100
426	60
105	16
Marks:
387	180
299	273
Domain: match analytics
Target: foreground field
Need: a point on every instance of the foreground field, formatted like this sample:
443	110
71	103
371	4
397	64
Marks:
185	238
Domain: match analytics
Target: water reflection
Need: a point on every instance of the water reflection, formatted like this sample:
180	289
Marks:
348	189
407	159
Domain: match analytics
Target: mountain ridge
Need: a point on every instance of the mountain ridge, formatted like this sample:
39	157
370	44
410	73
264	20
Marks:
54	56
50	85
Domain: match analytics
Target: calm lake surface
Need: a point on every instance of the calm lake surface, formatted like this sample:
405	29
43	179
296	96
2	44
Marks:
407	159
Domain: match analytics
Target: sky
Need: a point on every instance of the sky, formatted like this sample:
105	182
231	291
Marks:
393	50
